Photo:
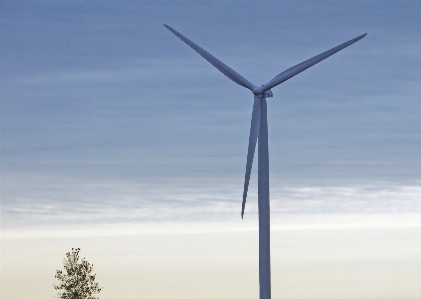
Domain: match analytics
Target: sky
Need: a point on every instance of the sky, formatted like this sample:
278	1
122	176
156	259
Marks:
119	139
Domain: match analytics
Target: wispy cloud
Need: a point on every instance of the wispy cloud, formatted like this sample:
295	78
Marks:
108	204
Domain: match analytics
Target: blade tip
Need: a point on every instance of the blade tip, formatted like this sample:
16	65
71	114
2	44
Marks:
362	36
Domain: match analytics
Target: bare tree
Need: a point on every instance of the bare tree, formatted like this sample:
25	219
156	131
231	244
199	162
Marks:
76	281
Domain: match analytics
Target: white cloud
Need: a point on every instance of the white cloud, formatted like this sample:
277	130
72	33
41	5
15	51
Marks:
178	205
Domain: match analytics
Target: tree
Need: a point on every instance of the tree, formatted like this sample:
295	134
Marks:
76	282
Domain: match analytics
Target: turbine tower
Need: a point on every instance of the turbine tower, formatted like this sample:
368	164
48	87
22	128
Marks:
259	131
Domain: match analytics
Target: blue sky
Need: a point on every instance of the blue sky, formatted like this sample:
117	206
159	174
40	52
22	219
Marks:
98	95
109	121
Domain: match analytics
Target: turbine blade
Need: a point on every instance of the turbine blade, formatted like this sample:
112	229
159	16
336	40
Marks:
223	68
291	72
254	134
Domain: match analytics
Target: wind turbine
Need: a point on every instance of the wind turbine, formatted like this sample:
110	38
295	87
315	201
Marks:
259	131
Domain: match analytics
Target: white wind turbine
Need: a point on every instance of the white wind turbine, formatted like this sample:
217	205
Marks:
259	131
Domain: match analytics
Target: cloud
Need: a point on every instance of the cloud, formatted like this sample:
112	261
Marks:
50	202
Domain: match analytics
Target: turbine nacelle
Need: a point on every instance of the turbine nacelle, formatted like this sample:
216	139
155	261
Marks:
259	92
